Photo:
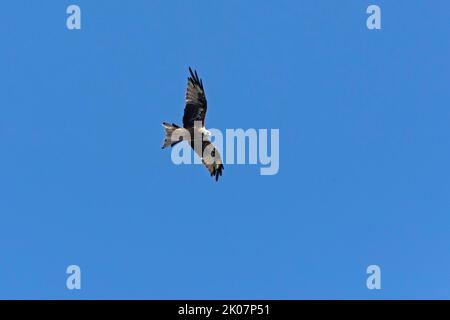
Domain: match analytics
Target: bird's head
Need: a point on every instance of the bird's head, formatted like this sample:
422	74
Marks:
206	132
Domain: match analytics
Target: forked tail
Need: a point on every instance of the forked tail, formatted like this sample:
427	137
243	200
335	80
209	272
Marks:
168	130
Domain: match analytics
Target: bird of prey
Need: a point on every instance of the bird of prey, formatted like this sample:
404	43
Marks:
194	131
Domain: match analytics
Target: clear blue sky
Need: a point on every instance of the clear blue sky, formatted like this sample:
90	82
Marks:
364	174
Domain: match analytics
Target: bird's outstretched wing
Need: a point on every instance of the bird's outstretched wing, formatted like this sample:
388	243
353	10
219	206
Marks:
210	158
196	104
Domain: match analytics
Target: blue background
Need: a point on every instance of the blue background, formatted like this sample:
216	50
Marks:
364	153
